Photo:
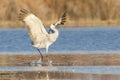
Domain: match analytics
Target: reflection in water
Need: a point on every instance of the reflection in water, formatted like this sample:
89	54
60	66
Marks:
63	72
47	76
68	69
72	66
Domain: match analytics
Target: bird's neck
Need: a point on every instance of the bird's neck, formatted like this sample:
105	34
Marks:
53	35
54	29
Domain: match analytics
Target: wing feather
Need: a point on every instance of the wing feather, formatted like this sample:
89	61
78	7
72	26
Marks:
62	20
35	27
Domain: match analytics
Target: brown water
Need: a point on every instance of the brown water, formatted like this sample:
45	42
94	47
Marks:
63	60
77	66
55	76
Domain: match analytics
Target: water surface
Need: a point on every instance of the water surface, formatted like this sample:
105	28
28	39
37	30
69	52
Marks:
74	69
70	40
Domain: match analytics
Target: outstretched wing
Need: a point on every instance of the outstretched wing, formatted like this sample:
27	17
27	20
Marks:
62	20
35	27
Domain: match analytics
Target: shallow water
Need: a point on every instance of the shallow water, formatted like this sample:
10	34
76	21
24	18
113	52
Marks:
107	40
74	69
70	40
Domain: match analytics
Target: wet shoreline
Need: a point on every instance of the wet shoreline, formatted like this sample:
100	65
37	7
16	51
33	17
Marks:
63	59
59	60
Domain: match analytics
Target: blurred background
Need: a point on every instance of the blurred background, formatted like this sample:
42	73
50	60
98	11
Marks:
87	13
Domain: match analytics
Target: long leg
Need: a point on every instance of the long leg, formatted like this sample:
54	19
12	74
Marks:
47	53
49	61
40	54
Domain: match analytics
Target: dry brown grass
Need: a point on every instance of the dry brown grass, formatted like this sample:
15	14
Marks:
79	12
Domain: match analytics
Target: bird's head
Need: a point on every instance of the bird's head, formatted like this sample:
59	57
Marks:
52	26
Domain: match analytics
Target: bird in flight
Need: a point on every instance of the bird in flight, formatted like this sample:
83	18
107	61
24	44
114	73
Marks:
40	38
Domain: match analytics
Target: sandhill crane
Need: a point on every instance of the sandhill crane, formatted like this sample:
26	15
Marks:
39	36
